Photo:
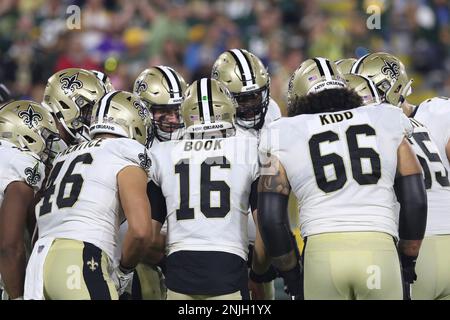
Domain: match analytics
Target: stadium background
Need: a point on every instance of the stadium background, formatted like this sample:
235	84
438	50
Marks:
123	37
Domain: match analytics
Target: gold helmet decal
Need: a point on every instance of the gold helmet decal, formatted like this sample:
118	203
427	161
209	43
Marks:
71	94
28	125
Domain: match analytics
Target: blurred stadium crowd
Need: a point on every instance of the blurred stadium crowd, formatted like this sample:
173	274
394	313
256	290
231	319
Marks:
123	37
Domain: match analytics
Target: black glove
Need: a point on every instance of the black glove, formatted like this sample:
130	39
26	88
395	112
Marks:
293	281
408	265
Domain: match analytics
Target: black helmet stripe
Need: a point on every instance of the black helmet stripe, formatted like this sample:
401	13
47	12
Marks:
170	79
104	105
210	100
102	76
357	64
177	81
329	67
199	99
322	73
245	68
205	99
324	68
372	88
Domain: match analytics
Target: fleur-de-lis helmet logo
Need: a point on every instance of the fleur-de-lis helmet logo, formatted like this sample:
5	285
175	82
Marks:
391	69
145	160
33	175
141	86
30	117
143	111
70	83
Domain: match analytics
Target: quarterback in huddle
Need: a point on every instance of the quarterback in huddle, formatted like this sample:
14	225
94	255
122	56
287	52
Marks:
179	191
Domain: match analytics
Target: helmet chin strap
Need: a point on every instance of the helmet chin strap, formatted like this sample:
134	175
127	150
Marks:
68	130
83	135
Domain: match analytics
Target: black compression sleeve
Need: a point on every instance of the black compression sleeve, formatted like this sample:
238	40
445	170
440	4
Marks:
157	202
412	196
254	195
273	223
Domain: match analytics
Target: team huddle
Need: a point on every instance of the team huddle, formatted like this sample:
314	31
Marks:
181	192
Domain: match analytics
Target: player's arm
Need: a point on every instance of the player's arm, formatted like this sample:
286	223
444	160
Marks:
156	250
273	223
259	260
447	150
132	182
411	193
13	219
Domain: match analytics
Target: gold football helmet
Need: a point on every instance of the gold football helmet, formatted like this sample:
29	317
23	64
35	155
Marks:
209	109
345	65
30	126
314	75
161	89
245	76
71	94
364	87
387	73
121	113
103	77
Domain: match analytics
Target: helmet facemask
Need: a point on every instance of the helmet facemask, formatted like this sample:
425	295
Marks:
54	144
78	128
252	108
167	122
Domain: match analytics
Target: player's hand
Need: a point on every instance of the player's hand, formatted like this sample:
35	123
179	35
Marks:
293	281
256	290
122	278
408	265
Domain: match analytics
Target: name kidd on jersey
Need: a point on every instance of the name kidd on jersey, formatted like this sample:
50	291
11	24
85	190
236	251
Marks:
335	117
198	145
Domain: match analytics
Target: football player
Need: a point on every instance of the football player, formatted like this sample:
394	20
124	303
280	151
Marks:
71	94
247	78
429	141
91	186
208	183
27	133
340	160
161	89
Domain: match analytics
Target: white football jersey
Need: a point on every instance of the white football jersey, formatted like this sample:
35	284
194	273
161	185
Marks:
207	186
19	165
273	113
429	143
341	166
435	115
81	200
